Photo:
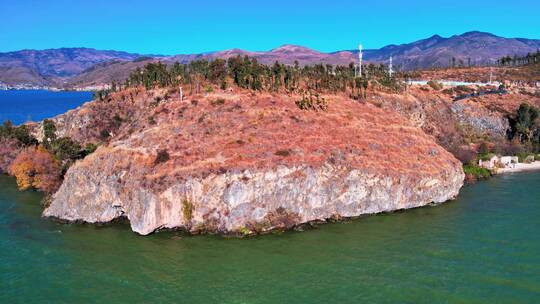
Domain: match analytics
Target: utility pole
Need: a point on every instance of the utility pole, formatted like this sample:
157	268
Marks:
358	70
390	67
490	71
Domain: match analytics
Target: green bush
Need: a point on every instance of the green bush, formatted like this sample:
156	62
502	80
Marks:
101	94
187	209
476	171
435	85
65	148
20	133
391	83
217	102
6	129
522	156
49	130
89	149
104	134
308	102
117	121
485	156
283	153
161	157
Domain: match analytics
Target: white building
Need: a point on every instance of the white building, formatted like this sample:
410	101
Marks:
499	162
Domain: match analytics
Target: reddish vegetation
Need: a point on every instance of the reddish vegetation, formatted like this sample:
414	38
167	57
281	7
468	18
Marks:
252	131
36	168
237	130
99	120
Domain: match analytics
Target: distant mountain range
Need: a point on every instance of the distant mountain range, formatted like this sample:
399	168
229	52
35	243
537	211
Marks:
85	66
477	47
46	67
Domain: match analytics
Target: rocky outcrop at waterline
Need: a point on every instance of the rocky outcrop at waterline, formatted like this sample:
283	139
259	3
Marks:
256	201
240	162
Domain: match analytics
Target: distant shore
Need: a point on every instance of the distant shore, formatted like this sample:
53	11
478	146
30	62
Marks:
51	89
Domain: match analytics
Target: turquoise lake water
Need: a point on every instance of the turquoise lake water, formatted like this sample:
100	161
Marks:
483	247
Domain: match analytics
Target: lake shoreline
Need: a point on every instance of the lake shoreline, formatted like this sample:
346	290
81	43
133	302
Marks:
518	168
102	260
51	89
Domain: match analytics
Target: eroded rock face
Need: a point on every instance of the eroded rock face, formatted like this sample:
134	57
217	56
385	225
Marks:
476	117
257	163
451	122
258	201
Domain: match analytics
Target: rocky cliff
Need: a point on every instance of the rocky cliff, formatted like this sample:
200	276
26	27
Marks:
454	122
243	162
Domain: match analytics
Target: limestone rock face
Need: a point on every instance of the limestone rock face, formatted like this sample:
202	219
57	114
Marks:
480	119
264	200
256	164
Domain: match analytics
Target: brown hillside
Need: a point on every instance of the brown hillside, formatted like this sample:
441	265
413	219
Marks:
242	161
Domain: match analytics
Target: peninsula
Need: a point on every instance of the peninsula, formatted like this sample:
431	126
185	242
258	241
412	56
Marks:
242	147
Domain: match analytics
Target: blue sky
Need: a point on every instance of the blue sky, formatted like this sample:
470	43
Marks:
175	27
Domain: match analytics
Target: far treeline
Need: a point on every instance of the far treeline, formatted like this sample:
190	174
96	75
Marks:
248	73
530	58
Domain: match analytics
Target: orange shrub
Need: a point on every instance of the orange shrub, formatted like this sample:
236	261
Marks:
36	168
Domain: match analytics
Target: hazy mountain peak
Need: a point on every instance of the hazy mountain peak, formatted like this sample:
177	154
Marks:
431	41
291	48
477	34
232	51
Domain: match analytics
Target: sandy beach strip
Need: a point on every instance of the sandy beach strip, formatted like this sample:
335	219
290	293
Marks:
520	168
